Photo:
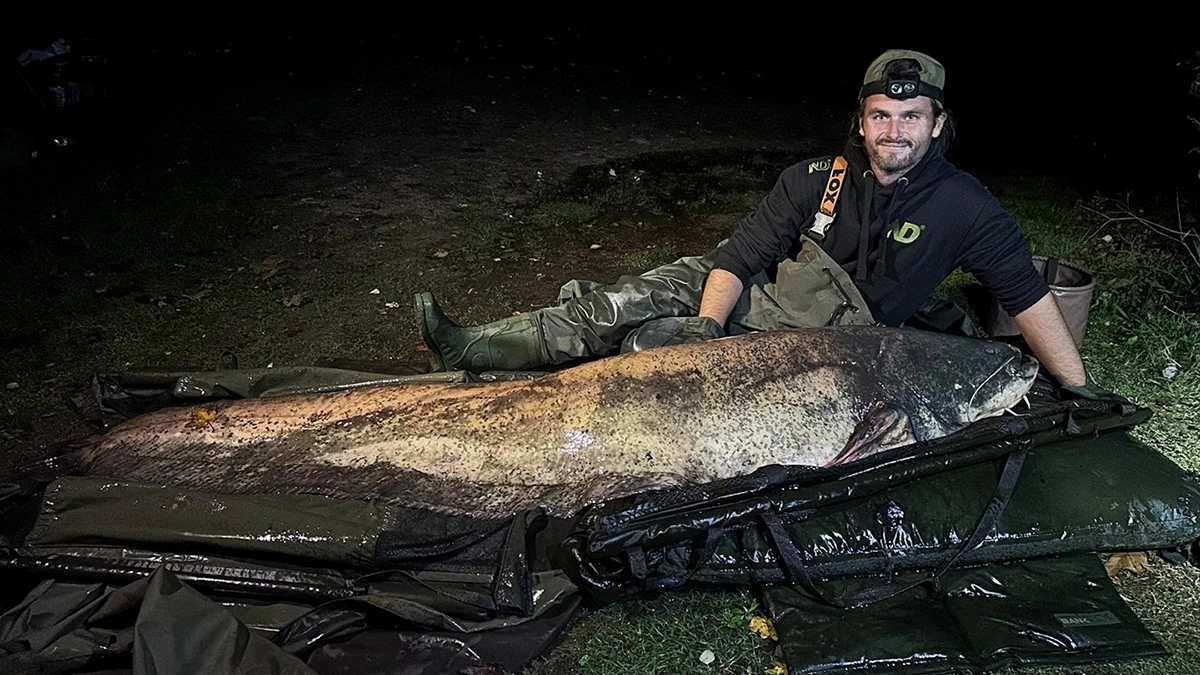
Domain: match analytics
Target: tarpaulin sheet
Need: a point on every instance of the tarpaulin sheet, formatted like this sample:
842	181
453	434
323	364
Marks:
156	626
1056	611
159	625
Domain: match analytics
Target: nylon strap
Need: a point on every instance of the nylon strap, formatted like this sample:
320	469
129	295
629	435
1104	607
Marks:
794	561
987	521
833	188
640	570
790	555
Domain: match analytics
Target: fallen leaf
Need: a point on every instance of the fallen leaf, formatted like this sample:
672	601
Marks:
269	268
777	668
203	418
1136	562
764	628
422	347
294	300
441	254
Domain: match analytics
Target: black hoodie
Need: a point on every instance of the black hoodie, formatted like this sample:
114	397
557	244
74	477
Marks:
897	242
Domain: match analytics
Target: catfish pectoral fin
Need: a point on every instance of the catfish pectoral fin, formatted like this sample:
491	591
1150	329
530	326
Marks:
883	427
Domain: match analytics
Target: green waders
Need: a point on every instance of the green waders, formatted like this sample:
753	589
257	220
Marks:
653	309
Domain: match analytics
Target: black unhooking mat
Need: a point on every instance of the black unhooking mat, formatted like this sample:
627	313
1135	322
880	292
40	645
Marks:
1057	611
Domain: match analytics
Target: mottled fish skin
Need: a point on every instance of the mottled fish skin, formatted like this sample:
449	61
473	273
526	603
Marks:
683	414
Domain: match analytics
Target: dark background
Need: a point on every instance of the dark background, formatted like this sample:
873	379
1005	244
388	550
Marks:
1109	109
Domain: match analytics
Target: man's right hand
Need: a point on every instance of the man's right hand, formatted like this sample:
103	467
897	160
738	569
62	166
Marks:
721	293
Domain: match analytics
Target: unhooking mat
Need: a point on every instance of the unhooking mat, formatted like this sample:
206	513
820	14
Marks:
1057	611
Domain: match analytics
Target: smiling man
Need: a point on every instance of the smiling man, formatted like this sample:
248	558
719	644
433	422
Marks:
860	238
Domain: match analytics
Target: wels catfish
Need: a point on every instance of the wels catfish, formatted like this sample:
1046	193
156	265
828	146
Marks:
675	415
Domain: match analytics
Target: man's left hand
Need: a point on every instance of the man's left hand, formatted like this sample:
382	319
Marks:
1092	392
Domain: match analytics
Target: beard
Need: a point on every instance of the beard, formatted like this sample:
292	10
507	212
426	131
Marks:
893	157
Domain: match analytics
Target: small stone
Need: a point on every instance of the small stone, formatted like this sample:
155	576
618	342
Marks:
594	246
375	291
707	657
12	386
1108	238
1170	371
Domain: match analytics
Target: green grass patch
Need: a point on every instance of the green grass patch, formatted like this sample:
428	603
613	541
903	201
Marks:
648	258
566	213
487	236
665	635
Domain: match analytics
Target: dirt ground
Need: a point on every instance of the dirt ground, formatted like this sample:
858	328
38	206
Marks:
247	214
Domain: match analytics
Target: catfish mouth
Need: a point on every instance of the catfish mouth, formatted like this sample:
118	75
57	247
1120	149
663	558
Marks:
1003	389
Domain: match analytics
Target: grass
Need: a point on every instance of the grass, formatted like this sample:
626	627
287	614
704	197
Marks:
664	635
648	258
566	214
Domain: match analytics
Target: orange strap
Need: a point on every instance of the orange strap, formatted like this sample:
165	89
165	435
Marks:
833	188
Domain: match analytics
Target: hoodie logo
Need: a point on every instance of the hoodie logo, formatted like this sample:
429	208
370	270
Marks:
822	165
905	233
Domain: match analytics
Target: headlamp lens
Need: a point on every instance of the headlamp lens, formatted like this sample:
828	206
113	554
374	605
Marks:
902	89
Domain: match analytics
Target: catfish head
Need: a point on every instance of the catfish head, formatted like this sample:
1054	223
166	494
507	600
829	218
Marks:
946	385
1002	389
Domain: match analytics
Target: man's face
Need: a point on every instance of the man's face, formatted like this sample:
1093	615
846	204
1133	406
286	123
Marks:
897	134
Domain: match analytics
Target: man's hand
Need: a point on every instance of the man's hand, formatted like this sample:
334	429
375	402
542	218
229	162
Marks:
1050	340
1093	392
671	330
721	293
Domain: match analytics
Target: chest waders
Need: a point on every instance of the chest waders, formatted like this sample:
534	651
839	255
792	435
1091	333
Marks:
654	308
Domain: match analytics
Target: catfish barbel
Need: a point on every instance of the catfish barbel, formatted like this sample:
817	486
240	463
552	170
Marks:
684	414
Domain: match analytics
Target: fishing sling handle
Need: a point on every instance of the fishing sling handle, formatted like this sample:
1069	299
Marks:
833	189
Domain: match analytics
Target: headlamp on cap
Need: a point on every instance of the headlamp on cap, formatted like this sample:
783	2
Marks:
898	74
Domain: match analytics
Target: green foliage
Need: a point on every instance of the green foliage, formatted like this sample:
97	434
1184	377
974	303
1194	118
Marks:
648	258
486	236
664	635
565	213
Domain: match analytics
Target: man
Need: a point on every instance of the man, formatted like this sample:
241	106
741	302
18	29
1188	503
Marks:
859	239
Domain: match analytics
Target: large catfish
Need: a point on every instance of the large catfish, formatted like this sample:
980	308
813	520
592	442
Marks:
669	416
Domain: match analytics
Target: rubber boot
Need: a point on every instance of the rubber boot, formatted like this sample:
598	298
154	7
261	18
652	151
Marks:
514	343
